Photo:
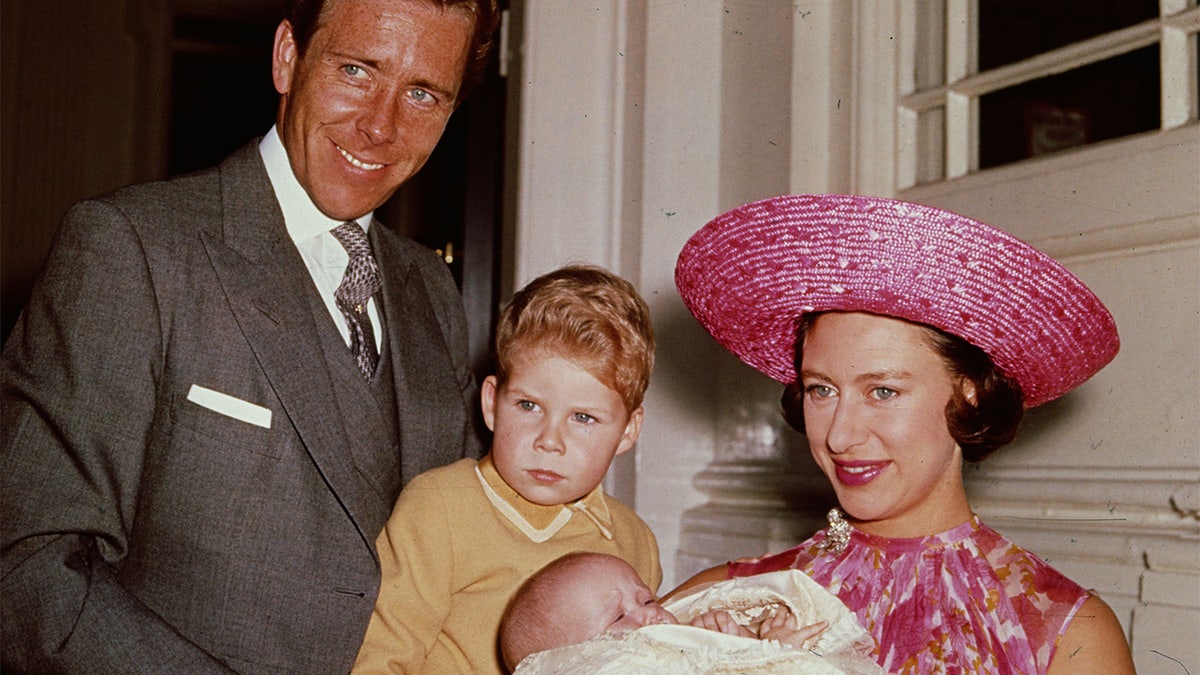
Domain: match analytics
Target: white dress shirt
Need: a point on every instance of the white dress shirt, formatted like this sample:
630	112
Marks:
309	229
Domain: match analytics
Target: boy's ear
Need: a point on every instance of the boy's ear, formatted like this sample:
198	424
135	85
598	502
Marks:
487	401
632	428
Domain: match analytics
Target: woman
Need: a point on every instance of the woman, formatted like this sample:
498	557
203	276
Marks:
910	339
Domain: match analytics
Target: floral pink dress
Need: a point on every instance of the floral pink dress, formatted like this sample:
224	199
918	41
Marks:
963	601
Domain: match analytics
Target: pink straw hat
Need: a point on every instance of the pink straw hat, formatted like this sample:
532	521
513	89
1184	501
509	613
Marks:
749	274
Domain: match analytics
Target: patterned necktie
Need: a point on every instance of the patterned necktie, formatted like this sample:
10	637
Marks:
359	283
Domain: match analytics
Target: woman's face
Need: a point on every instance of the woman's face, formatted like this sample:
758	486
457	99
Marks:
875	396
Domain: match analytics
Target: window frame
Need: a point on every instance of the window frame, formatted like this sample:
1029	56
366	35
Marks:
924	156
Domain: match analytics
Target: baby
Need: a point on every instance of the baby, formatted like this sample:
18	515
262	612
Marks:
589	612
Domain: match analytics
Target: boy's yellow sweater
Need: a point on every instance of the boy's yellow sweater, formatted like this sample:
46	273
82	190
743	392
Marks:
455	549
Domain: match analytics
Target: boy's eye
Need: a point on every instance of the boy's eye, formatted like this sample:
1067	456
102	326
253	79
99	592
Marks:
584	418
527	405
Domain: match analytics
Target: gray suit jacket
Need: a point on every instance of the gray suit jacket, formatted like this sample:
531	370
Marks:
144	532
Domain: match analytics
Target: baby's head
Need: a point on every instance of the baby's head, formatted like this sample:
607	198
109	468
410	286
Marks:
574	352
575	598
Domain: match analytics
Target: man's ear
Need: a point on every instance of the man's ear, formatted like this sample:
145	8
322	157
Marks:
632	428
284	56
487	401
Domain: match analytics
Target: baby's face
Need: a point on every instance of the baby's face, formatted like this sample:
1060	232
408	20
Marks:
608	595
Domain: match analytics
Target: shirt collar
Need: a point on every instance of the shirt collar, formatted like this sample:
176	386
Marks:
301	216
536	521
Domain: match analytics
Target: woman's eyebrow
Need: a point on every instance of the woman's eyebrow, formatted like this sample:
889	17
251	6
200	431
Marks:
884	374
872	376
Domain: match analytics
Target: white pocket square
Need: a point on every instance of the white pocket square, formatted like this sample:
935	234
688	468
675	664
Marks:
231	406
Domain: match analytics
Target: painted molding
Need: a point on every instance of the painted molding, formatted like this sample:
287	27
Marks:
1129	487
1141	238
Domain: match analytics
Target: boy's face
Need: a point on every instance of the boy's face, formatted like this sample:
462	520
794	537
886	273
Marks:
603	596
556	428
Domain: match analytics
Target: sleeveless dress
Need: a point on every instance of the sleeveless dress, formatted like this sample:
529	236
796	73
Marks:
963	601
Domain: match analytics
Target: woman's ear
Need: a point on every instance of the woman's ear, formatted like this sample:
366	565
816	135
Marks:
967	388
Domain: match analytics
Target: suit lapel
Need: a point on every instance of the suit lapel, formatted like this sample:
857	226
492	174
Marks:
412	338
267	286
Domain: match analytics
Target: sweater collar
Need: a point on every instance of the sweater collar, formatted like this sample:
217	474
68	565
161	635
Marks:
536	521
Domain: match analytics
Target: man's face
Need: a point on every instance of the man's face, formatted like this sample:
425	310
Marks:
364	107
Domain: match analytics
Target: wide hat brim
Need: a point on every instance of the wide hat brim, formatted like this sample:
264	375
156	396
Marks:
749	274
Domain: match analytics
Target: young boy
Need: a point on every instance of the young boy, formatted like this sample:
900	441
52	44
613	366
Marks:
577	613
574	352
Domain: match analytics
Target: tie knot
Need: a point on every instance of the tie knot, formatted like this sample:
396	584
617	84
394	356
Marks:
352	238
361	279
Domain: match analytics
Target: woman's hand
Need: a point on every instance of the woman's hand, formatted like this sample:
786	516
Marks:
782	627
722	622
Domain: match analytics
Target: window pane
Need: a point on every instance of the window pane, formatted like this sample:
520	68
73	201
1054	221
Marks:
931	145
1012	30
1101	101
930	61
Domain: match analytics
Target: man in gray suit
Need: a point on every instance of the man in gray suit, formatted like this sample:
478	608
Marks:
201	440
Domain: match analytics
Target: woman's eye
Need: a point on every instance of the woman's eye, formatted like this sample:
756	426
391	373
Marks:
884	393
819	390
